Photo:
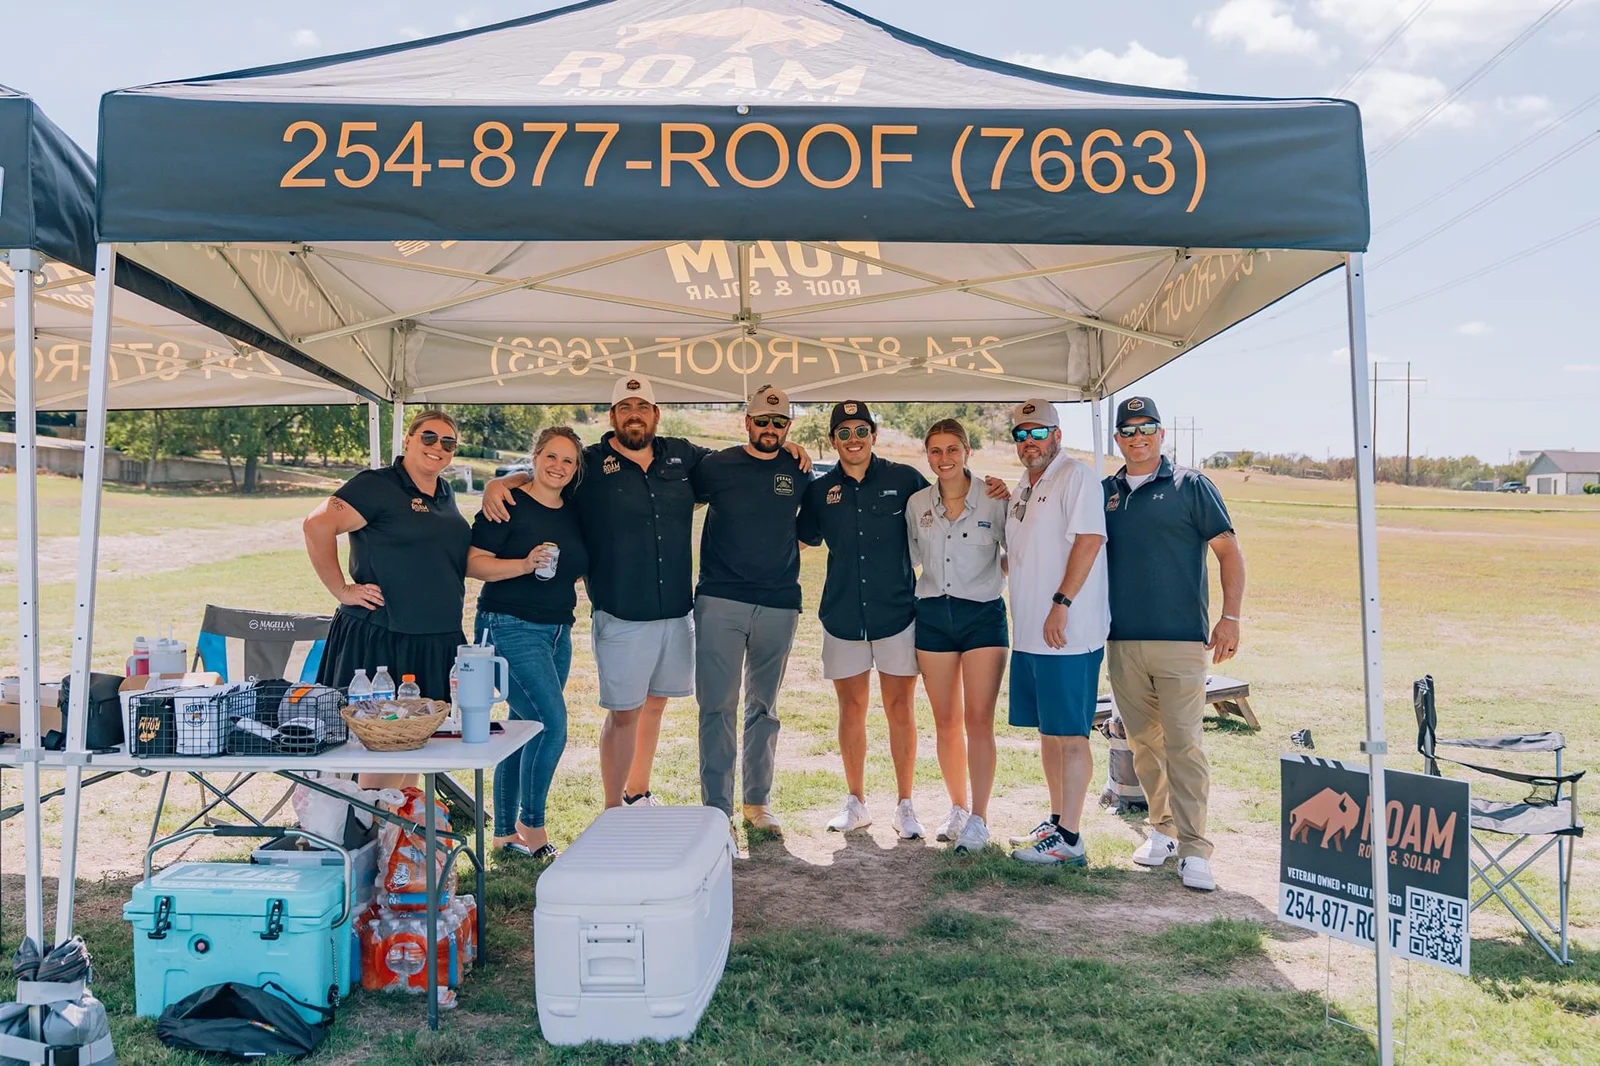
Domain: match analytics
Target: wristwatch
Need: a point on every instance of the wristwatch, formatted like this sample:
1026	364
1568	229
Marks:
1062	600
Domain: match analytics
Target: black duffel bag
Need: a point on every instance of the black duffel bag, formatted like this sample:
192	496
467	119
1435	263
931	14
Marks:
243	1021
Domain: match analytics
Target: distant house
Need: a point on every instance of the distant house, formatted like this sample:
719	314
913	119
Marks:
1563	473
1220	459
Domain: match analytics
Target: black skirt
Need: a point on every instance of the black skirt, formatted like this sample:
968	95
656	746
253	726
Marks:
355	644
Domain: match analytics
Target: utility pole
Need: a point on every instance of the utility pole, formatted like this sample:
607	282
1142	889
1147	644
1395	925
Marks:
1193	431
1408	379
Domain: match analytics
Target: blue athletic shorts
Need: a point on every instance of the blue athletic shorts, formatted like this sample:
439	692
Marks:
1055	694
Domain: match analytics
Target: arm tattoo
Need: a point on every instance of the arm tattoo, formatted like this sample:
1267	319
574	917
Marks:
336	504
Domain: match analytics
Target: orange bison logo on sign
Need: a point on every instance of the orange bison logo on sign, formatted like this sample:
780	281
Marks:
1333	813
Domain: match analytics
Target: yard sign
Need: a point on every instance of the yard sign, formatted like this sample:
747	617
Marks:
1325	866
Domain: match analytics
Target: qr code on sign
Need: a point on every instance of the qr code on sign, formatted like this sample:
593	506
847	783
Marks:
1438	927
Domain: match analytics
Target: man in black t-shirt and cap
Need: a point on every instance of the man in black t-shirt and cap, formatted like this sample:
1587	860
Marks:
747	604
1160	520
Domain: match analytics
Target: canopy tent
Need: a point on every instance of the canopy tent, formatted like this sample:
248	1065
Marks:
162	348
722	193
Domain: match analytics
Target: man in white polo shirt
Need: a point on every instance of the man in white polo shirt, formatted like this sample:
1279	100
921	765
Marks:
1055	539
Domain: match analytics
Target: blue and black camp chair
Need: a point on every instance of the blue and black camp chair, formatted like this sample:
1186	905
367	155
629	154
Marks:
1546	818
240	644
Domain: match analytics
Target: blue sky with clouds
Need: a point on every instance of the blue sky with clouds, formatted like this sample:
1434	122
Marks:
1507	360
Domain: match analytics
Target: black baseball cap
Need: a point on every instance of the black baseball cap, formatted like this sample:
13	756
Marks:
849	411
1137	407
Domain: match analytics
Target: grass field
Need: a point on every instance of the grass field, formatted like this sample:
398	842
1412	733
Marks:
865	951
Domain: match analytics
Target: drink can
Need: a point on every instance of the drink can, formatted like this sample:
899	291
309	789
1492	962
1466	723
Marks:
548	570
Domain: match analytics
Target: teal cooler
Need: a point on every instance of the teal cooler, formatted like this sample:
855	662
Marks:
202	923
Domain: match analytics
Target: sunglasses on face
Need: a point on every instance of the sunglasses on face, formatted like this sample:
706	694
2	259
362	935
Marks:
775	421
429	439
1036	433
1143	429
843	432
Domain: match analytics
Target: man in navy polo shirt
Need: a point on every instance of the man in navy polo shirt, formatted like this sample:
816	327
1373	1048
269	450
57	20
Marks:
1160	519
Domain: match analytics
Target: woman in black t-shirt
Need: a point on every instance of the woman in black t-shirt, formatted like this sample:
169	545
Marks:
402	606
530	567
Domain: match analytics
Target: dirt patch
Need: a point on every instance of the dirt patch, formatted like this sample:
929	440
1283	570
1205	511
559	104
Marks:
175	549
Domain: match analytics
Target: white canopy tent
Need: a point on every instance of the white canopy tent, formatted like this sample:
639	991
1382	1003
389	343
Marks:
721	193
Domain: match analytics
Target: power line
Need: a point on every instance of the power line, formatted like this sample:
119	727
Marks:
1427	116
1388	42
1542	132
1560	238
1504	190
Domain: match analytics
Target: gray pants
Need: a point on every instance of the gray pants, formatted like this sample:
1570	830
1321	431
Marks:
739	641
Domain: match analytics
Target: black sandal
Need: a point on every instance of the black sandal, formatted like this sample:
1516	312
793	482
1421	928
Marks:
547	853
516	847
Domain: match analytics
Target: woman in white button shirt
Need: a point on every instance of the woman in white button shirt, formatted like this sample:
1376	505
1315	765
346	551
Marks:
957	536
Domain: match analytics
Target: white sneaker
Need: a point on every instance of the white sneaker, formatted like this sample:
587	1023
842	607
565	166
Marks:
952	825
853	815
1054	850
643	799
1034	835
1156	849
1196	874
906	824
974	836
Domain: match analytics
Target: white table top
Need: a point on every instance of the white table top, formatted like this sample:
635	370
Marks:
438	755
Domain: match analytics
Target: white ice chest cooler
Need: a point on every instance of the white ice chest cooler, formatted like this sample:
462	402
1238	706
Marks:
632	926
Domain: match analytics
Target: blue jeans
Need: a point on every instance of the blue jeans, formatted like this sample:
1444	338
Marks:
539	657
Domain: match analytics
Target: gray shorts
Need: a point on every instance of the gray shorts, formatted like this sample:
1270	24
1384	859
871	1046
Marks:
640	659
895	655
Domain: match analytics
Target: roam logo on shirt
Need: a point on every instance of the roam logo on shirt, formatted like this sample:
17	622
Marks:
418	506
836	494
611	465
783	484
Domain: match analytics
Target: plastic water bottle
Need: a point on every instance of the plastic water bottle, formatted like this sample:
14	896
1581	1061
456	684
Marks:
409	689
382	684
360	687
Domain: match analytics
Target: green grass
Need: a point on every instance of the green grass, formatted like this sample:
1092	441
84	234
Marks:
1500	606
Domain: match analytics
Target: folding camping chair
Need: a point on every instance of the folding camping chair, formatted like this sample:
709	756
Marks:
239	644
1540	821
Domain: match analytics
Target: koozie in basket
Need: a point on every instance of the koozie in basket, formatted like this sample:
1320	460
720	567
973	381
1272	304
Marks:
152	729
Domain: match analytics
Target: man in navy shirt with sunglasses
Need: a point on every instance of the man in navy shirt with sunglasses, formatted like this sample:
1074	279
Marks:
1160	521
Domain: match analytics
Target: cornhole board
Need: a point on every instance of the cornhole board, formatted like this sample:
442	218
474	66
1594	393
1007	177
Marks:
1228	695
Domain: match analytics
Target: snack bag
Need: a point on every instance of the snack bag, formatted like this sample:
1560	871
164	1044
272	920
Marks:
402	877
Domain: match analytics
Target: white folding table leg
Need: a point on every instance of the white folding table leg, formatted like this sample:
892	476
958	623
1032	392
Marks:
94	468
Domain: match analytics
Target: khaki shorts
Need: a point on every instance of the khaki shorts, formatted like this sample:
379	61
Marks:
896	655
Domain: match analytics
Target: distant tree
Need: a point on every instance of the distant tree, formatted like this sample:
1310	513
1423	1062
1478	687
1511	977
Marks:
810	431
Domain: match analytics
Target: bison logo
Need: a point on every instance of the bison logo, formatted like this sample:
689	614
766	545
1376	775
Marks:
1335	814
745	28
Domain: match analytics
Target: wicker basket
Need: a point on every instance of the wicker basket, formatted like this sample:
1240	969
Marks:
395	734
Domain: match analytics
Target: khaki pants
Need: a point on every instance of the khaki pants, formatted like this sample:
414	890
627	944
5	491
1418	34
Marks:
1160	689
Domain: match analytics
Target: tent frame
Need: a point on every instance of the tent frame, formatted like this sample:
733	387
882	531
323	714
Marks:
1375	746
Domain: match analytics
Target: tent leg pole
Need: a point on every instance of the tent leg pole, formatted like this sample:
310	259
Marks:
25	264
397	431
374	438
1099	452
94	469
1371	640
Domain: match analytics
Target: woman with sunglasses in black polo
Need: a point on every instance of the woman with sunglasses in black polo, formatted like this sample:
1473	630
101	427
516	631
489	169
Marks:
401	607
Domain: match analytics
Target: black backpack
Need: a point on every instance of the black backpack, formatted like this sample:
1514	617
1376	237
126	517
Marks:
243	1021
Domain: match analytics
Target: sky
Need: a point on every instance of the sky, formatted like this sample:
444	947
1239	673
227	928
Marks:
1490	327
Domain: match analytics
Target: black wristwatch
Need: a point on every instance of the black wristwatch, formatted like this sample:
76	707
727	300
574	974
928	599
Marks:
1062	600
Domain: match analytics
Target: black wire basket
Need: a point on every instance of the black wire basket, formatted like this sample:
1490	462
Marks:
269	718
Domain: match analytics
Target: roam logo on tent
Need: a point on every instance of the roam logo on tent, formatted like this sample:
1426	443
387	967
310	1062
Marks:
777	268
668	57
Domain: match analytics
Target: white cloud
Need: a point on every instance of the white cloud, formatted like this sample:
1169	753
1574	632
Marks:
1582	368
1339	357
1570	37
1447	25
306	39
412	33
1137	65
1260	26
468	19
1530	105
1474	329
1390	99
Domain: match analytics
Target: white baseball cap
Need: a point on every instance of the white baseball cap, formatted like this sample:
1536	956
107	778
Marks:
1038	412
768	400
628	387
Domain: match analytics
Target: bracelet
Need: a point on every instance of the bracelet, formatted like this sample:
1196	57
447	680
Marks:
1230	618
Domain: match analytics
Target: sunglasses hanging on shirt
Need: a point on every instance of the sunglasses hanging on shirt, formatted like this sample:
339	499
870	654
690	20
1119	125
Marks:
430	439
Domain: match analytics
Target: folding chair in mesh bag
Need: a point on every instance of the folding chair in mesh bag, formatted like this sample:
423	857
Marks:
1546	818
